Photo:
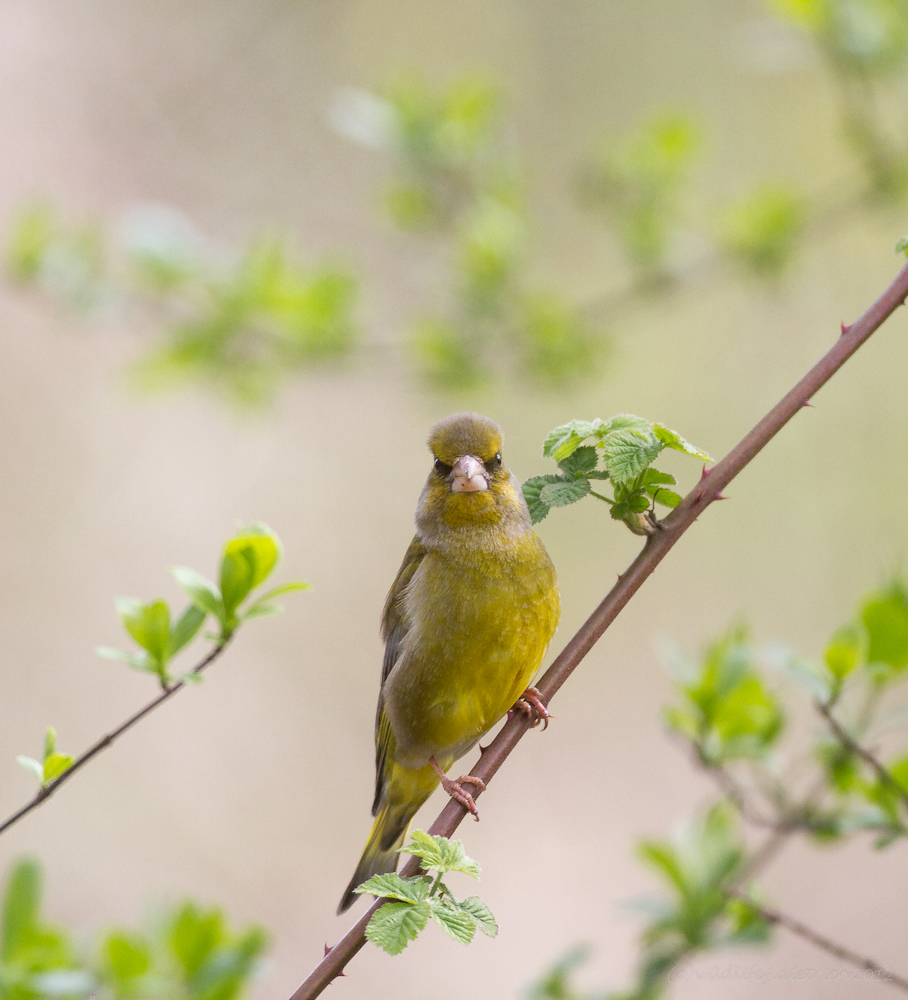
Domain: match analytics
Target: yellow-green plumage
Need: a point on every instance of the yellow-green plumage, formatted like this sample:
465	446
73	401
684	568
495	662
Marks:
466	624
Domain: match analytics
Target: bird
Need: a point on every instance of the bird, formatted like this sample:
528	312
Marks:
465	625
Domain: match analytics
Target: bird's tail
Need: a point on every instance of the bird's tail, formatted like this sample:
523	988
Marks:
380	855
402	793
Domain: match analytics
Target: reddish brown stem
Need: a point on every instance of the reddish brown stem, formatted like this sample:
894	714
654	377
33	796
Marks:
654	551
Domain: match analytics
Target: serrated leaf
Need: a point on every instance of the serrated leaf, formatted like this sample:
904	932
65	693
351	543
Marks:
668	498
624	421
563	494
620	510
566	439
54	765
440	854
185	628
638	504
202	592
653	477
531	490
598	474
452	919
672	439
481	914
35	766
394	925
580	462
394	886
628	452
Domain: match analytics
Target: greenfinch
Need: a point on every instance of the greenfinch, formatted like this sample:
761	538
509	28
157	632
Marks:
465	626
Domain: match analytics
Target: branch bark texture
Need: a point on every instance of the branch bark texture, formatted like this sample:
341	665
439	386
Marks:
657	547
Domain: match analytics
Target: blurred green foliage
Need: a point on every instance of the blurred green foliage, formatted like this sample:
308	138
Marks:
763	229
457	185
189	954
865	45
52	763
237	326
636	182
829	784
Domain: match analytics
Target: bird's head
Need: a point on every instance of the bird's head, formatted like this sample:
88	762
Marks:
469	485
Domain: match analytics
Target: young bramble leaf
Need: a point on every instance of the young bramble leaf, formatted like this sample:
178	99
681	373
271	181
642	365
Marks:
598	474
565	440
531	491
393	886
581	462
653	477
440	854
203	593
668	498
628	452
638	504
451	918
624	421
481	914
620	510
394	925
562	494
671	439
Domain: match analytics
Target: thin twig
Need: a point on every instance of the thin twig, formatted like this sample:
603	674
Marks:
657	546
45	793
847	740
773	916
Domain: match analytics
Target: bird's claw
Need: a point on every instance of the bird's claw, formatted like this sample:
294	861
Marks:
532	705
457	792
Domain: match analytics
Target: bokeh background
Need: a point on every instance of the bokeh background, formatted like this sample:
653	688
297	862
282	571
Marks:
253	790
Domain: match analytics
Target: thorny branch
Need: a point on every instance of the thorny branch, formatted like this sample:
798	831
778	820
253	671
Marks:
657	546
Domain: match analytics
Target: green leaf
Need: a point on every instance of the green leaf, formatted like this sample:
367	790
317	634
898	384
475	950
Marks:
628	452
148	624
203	593
393	886
21	905
653	477
54	766
260	607
620	510
452	919
50	741
194	935
185	628
35	766
565	440
125	957
394	925
844	651
261	547
638	504
440	854
580	462
138	661
668	498
885	616
598	474
481	914
672	439
562	494
902	246
531	493
236	578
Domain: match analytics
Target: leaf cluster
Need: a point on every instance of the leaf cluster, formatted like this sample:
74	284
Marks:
247	560
413	901
189	954
52	764
627	446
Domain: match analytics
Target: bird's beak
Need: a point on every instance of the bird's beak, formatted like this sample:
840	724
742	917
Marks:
469	475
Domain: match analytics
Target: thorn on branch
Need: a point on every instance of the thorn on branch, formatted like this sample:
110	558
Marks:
845	328
807	403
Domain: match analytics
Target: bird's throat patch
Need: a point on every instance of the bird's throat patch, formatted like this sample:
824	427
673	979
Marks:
465	509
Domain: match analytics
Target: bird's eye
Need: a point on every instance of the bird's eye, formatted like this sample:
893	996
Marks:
494	463
441	468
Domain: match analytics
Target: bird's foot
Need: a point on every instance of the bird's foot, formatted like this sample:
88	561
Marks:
532	705
455	788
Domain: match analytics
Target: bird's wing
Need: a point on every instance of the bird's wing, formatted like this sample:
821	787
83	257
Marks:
394	627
